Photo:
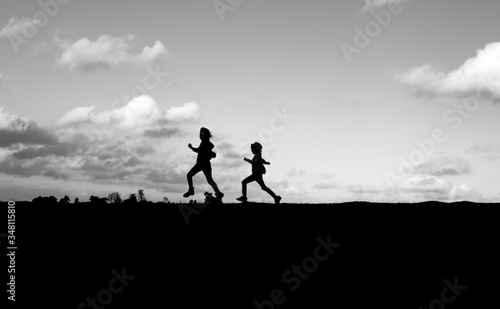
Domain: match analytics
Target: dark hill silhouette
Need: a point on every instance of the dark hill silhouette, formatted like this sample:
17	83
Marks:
230	255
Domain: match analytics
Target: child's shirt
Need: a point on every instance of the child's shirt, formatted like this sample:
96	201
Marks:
258	165
205	152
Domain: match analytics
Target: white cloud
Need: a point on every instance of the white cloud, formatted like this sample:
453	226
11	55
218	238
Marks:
16	27
420	188
16	130
105	52
79	114
464	193
140	113
444	166
187	112
326	186
150	54
479	75
8	120
425	188
424	184
375	4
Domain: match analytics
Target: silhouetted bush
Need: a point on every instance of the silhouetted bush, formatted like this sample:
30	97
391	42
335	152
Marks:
65	200
98	200
45	200
131	200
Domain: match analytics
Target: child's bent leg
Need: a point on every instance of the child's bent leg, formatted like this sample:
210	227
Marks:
191	173
263	186
244	183
210	180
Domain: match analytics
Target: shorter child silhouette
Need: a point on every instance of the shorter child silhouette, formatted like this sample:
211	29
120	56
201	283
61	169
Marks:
258	170
205	154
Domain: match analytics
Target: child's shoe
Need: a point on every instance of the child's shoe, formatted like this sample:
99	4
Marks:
189	193
219	196
242	199
277	199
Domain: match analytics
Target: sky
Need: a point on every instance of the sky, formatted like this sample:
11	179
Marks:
373	100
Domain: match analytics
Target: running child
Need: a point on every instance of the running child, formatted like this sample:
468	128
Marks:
205	154
258	169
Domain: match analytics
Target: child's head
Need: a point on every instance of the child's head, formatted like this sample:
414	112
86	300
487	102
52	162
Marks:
205	134
256	147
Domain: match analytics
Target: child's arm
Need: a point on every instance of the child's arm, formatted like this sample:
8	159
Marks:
192	148
265	162
248	160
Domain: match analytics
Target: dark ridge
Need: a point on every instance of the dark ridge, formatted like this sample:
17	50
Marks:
230	255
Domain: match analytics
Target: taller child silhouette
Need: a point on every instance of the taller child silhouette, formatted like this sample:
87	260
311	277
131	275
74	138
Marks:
205	154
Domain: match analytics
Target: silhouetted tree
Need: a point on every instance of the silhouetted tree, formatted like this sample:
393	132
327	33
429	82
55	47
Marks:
140	196
209	198
65	200
77	200
131	200
98	200
115	198
165	200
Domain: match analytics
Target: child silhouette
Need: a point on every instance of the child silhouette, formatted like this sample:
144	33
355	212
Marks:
205	154
258	170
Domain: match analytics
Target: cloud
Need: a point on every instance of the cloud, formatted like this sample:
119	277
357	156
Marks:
422	188
43	166
122	145
16	130
326	175
485	149
464	193
77	115
107	51
141	114
479	75
424	184
444	166
55	174
490	152
16	27
375	4
59	149
363	189
229	151
425	188
150	54
295	172
187	112
326	186
161	133
132	161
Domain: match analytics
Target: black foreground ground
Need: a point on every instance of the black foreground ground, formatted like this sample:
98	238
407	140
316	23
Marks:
243	255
